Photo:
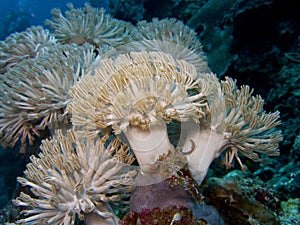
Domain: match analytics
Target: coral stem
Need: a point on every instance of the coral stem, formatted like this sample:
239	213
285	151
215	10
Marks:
148	144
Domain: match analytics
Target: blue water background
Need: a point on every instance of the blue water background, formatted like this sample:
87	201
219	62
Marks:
39	10
16	15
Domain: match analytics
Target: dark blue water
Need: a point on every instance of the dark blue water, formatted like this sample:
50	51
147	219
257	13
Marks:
16	15
39	10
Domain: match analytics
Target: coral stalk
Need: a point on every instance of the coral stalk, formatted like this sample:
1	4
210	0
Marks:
150	143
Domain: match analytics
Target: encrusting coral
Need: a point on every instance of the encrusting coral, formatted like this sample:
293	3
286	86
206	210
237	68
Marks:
75	177
27	44
34	94
89	25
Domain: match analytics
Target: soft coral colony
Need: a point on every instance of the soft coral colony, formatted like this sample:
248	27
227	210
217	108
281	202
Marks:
102	83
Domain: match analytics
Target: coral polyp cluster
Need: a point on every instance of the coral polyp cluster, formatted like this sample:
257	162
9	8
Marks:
24	45
170	36
236	124
88	24
76	178
36	92
97	85
137	89
139	93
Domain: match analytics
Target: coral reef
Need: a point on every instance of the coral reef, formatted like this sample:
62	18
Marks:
137	94
19	46
76	178
175	200
290	211
170	215
89	25
236	123
169	36
286	92
287	180
136	104
102	84
242	200
35	93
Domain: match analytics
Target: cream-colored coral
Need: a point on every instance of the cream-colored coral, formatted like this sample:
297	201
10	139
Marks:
137	94
170	36
34	94
75	177
136	89
88	24
236	123
133	83
31	43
